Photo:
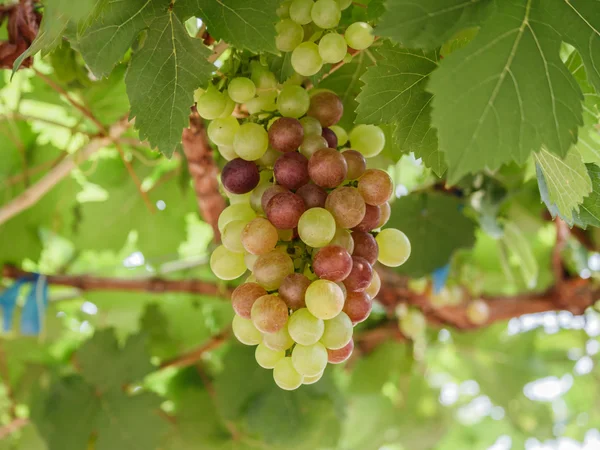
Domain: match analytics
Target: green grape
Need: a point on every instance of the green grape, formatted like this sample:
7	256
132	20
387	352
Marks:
373	288
251	141
341	135
359	35
367	139
338	332
343	238
236	199
285	376
226	264
222	131
312	380
211	103
300	11
283	10
293	101
241	89
306	59
343	4
280	340
267	358
269	158
240	211
229	106
245	331
263	78
311	144
250	260
263	102
227	152
316	227
311	126
394	247
478	312
326	13
309	360
324	299
289	35
412	323
304	328
232	235
271	268
332	48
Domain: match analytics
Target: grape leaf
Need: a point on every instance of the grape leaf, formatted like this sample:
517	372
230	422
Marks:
394	92
589	210
245	24
436	228
429	23
161	81
506	94
566	182
281	66
104	42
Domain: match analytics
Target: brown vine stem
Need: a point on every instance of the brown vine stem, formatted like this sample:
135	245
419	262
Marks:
192	357
12	427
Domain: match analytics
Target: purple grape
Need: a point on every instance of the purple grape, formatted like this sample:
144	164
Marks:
330	137
240	176
314	196
291	170
286	134
284	210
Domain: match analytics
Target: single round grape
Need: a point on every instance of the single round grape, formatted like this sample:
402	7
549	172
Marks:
304	328
327	168
245	331
244	296
312	380
366	246
386	212
293	289
278	341
240	211
251	141
375	285
370	219
264	101
316	227
394	247
267	358
338	332
306	59
269	193
346	205
333	263
326	13
326	107
311	144
343	238
269	314
284	210
291	170
358	306
367	139
324	299
262	77
330	137
289	35
311	126
211	103
285	376
226	264
314	196
286	134
229	106
375	186
241	89
478	312
283	10
269	158
222	131
271	268
300	11
240	176
343	4
340	134
357	164
227	152
360	276
293	101
332	48
259	236
340	355
232	236
309	360
359	35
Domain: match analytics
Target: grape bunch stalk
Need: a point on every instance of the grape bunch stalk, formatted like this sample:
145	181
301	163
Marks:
305	218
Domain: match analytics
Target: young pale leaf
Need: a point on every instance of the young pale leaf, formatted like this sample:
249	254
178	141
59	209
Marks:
589	210
563	183
520	247
247	24
429	23
506	94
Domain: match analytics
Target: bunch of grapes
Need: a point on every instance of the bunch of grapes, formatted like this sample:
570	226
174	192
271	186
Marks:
307	30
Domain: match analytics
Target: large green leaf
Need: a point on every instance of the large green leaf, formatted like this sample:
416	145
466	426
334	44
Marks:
245	24
436	228
161	81
589	210
506	94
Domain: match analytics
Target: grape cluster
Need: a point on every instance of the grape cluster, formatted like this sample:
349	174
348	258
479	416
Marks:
306	30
